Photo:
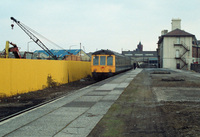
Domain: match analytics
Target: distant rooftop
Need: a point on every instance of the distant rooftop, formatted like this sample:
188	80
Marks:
140	53
60	53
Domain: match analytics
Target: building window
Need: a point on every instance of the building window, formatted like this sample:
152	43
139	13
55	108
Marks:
177	53
138	54
128	55
178	40
178	66
148	54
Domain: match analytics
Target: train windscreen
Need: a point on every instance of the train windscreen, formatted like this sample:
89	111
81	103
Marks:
96	60
109	60
102	60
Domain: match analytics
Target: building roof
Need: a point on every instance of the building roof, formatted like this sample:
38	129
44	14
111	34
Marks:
178	33
60	53
103	52
175	33
106	52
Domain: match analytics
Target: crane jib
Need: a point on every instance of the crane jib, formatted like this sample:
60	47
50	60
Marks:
33	37
12	18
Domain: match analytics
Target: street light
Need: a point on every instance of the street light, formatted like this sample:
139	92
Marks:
28	45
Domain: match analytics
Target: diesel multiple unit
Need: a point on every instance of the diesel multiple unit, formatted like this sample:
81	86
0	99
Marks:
105	63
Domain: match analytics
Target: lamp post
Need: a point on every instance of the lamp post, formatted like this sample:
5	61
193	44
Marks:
28	45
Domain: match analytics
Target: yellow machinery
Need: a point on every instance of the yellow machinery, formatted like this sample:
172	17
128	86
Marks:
7	49
15	51
5	54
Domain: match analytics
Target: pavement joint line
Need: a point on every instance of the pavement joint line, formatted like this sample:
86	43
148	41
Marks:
70	123
86	112
102	90
80	104
107	100
94	95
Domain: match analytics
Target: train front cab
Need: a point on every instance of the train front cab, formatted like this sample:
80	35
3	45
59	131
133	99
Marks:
102	66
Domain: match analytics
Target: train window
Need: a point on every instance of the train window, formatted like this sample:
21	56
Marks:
102	60
96	60
109	60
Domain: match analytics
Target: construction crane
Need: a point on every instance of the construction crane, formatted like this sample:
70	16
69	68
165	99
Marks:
33	37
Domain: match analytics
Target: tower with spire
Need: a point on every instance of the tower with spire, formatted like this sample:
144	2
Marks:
139	47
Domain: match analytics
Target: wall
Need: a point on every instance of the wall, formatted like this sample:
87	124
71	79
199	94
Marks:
195	54
84	56
169	51
195	67
24	75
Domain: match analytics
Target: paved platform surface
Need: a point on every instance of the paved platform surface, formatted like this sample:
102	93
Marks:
74	115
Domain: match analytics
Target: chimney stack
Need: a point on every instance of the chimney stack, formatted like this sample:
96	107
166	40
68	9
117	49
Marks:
176	24
163	32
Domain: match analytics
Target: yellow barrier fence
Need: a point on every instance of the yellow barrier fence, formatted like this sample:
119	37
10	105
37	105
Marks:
23	75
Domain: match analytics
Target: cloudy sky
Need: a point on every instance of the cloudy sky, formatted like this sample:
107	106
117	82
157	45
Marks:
96	24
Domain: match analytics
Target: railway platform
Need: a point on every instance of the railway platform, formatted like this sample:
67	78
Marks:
73	115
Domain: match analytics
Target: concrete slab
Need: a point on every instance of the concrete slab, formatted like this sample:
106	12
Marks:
45	130
102	90
118	80
132	75
100	108
122	85
177	94
110	97
82	126
79	104
51	123
119	88
128	80
97	93
117	91
89	98
107	87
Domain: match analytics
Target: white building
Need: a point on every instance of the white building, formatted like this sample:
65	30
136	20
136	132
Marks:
175	47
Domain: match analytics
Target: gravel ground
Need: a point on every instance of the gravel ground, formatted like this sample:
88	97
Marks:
153	107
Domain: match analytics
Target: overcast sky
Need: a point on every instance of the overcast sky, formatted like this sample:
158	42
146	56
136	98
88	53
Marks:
96	24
